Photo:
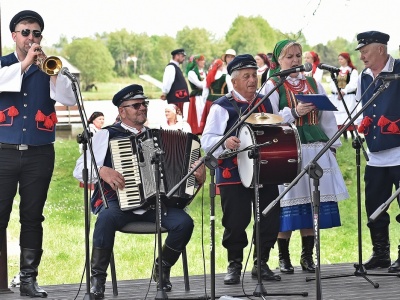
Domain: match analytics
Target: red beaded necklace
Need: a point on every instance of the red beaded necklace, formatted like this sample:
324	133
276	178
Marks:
295	88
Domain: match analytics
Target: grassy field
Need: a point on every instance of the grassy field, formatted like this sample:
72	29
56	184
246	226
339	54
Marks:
64	237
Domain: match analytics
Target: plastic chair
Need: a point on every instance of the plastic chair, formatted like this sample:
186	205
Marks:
145	228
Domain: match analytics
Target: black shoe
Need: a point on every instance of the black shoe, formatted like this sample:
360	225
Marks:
233	274
378	261
29	287
306	260
98	286
395	267
266	273
285	266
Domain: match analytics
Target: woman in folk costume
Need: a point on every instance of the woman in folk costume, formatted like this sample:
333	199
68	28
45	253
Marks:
263	68
196	75
173	119
315	128
313	58
347	82
216	87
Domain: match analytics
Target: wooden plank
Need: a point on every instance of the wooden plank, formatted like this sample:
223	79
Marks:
347	287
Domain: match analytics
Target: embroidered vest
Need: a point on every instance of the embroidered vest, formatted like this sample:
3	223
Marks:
227	171
27	117
179	90
218	88
381	122
307	126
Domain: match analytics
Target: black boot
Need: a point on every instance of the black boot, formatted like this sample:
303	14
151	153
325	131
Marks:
395	267
169	258
285	265
306	260
234	270
266	273
29	263
99	264
380	257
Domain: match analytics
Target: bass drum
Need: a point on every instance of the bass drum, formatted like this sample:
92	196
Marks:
279	153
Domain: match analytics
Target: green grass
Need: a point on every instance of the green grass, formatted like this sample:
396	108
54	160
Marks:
106	90
64	238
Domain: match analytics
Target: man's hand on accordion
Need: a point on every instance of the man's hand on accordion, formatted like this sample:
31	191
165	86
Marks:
200	172
112	177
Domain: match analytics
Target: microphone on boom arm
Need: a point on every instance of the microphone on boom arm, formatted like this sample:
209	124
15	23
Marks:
307	67
329	68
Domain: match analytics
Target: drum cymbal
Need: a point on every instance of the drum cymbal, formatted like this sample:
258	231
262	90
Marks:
264	118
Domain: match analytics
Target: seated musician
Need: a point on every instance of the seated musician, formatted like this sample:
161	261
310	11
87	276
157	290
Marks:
132	109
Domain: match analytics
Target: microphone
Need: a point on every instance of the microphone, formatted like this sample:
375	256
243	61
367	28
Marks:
306	67
389	77
65	71
329	68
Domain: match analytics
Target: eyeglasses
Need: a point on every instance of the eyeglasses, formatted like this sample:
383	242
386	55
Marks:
27	32
137	105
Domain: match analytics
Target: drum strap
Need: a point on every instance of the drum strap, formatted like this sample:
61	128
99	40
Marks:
231	100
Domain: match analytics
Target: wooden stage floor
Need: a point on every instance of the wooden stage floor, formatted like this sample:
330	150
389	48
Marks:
345	287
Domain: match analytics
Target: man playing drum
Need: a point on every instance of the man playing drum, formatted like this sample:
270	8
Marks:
236	199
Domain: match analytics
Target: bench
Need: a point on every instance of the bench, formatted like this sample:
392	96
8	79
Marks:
67	115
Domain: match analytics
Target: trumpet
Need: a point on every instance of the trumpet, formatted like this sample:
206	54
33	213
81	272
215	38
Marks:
50	65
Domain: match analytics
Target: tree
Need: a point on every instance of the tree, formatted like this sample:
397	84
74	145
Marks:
252	35
92	58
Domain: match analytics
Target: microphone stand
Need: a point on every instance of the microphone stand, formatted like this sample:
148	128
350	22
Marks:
156	159
211	162
357	145
86	140
315	172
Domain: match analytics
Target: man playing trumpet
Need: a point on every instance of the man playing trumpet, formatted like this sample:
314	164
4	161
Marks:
27	134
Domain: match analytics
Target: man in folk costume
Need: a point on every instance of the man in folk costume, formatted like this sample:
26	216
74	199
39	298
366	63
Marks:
196	75
174	88
380	127
236	199
27	133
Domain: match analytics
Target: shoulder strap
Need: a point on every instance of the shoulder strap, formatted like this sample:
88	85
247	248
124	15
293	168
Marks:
233	102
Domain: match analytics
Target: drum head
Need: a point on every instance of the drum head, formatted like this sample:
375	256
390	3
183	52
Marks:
245	164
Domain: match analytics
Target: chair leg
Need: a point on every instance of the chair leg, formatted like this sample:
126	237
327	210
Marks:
113	275
185	270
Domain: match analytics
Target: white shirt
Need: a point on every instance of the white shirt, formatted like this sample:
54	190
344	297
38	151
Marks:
217	121
11	81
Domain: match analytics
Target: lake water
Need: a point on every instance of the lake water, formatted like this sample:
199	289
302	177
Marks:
155	114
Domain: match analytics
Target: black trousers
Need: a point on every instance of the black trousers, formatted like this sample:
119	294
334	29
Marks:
236	201
379	183
30	171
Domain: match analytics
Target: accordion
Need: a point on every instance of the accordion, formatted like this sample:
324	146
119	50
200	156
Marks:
132	157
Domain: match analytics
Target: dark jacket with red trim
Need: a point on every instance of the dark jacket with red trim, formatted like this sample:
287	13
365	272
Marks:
381	123
179	90
27	117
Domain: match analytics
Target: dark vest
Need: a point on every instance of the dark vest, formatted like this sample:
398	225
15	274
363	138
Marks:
27	117
179	90
381	121
227	171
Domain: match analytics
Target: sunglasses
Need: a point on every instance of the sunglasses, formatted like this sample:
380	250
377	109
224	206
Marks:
137	105
27	32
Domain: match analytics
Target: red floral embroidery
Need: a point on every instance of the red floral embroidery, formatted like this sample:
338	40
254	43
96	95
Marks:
98	203
2	117
13	111
40	117
226	173
365	123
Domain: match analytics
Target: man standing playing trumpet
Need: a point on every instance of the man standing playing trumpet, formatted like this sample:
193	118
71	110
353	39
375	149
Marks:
27	134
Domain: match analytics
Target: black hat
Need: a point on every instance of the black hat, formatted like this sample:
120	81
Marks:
130	92
178	51
243	61
23	15
370	37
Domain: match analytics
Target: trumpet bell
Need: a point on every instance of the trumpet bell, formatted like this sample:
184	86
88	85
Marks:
51	65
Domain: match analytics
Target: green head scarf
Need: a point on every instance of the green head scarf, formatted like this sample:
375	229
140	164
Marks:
275	67
192	64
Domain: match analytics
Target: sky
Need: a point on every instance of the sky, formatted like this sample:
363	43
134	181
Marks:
319	20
